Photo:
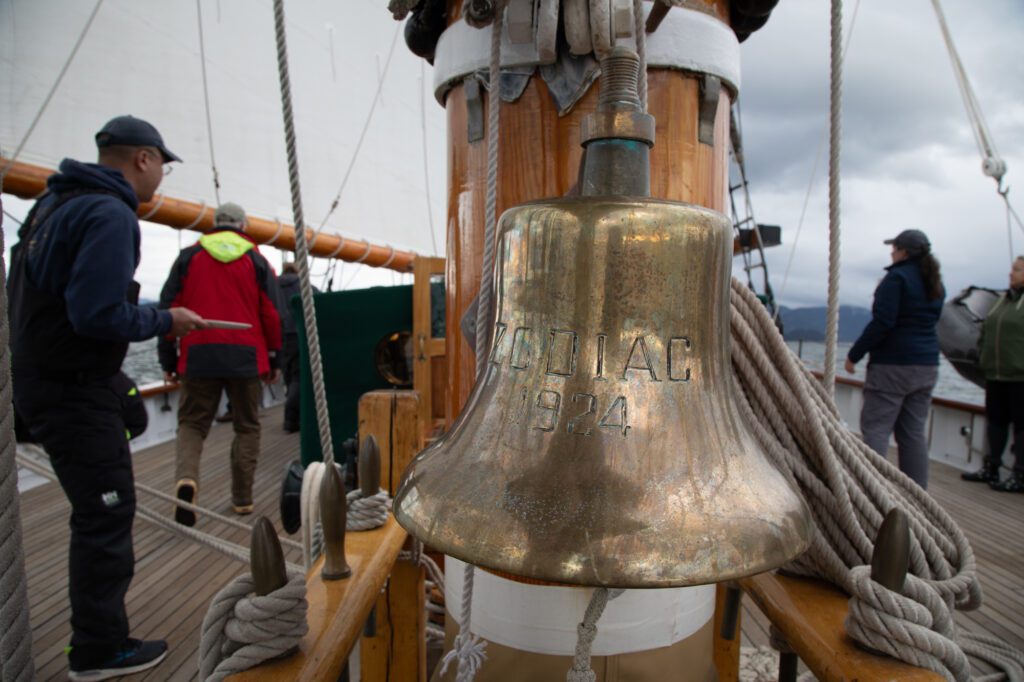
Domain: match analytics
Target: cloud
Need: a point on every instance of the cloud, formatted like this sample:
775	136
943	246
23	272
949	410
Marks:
909	157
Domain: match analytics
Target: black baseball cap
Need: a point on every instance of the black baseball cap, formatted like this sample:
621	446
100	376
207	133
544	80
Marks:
134	132
911	241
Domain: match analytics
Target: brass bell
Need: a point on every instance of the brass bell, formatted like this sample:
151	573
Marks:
601	445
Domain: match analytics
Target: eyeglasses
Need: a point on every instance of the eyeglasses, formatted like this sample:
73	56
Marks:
156	154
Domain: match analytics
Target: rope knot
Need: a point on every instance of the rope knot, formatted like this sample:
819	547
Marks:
470	652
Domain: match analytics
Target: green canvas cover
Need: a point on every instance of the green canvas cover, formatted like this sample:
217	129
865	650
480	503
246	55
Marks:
350	323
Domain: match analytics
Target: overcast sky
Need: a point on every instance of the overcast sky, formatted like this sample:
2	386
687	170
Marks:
908	154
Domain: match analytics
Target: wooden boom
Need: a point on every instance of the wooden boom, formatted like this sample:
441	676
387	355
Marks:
27	181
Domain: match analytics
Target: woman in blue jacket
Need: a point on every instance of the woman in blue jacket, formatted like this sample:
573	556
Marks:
903	351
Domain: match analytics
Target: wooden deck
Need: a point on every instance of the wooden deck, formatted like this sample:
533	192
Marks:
176	579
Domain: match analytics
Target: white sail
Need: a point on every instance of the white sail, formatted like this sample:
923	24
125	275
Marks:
143	57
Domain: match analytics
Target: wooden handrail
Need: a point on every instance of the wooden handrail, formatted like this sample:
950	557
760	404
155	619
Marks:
28	182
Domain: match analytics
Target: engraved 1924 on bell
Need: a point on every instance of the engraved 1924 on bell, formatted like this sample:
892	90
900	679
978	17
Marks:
601	445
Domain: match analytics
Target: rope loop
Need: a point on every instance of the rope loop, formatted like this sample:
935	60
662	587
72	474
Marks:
341	245
366	254
152	211
199	218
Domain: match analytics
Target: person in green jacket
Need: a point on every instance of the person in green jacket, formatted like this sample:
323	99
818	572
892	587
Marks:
1002	362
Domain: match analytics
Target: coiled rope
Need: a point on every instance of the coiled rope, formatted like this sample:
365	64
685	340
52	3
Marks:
849	488
242	630
363	513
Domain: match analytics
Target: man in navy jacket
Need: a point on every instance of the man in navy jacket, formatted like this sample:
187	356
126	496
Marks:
73	311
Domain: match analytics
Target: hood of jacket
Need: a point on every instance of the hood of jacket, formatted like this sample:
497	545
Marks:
75	175
226	244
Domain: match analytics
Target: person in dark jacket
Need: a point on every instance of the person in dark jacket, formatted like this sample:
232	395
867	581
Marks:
1002	362
224	277
904	353
73	312
289	282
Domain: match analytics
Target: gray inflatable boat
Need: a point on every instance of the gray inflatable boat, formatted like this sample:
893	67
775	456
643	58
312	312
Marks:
959	329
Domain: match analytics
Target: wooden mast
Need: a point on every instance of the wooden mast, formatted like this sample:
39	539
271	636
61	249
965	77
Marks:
538	158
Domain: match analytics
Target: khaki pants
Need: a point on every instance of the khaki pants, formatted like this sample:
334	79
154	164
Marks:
196	409
688	660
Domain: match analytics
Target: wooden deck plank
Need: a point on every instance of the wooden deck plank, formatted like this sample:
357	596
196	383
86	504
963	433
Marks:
167	601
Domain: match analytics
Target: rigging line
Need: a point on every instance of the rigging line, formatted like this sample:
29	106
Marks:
810	183
206	101
426	171
362	135
982	135
53	90
301	246
11	216
834	143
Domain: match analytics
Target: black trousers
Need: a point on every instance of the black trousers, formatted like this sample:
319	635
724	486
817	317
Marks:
81	428
290	363
1004	405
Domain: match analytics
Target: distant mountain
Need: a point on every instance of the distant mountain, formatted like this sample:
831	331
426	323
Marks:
809	323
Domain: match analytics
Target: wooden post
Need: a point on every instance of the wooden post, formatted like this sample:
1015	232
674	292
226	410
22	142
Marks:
430	373
393	417
398	648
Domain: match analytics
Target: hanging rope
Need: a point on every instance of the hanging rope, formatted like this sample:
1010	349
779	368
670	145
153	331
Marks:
468	648
586	633
15	630
242	630
49	95
814	174
835	114
301	248
206	102
847	486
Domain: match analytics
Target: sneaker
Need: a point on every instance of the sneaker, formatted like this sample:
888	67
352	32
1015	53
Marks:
1014	483
134	657
242	509
982	475
185	491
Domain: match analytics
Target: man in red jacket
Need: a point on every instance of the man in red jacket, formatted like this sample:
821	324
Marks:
222	277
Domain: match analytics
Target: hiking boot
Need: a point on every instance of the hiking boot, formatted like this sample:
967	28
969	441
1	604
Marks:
185	491
134	657
985	474
1014	483
241	509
